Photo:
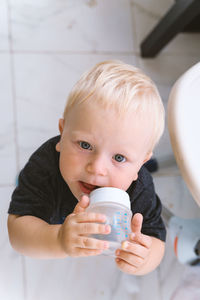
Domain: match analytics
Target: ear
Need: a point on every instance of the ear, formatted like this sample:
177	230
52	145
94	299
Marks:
61	128
148	156
61	125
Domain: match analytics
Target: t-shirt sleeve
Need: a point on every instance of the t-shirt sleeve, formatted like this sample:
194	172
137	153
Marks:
34	194
149	205
152	222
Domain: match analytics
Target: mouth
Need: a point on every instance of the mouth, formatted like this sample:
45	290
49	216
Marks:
87	188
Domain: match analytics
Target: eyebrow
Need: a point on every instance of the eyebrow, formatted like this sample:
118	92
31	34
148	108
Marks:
78	132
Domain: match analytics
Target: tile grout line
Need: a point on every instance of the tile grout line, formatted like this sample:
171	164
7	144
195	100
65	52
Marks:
133	29
12	74
72	52
13	89
6	185
128	53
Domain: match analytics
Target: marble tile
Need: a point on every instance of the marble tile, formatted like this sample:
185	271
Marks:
40	102
71	25
146	16
7	138
166	69
175	195
169	272
189	285
153	7
174	277
164	90
11	271
48	40
163	149
149	286
79	278
4	43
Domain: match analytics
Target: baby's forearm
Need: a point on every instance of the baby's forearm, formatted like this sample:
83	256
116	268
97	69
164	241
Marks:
155	257
34	237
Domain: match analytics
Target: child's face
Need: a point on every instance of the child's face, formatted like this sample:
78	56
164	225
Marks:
99	149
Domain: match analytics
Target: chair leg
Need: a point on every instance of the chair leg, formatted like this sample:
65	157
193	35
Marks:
177	18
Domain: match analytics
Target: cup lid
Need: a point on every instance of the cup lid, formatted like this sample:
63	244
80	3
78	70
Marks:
110	194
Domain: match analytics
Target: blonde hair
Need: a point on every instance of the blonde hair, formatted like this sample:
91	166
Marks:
114	84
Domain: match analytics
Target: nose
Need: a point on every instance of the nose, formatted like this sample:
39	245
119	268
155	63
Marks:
97	166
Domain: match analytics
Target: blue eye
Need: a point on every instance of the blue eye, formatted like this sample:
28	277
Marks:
85	145
119	158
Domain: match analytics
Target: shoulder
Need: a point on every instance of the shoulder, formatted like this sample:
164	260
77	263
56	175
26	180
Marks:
46	155
144	177
42	166
143	183
38	183
145	201
47	149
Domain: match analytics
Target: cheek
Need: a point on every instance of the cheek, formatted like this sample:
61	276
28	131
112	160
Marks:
124	179
69	165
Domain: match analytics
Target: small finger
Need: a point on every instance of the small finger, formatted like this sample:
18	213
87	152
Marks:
130	258
90	217
136	223
92	228
125	267
135	249
87	252
141	239
91	243
82	204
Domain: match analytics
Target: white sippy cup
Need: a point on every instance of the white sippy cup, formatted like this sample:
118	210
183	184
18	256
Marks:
115	204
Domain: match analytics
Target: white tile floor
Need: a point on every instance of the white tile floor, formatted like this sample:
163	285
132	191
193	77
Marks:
44	48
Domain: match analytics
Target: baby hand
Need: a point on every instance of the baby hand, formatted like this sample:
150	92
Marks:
74	233
135	252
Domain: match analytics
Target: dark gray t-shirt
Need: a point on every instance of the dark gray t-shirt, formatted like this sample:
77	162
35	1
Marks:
43	193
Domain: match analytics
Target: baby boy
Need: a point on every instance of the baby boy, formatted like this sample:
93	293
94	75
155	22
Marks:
112	121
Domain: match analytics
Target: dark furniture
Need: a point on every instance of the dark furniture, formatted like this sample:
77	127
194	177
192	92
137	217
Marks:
184	15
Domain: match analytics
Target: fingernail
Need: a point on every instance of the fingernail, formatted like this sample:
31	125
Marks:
117	253
85	198
132	236
124	245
